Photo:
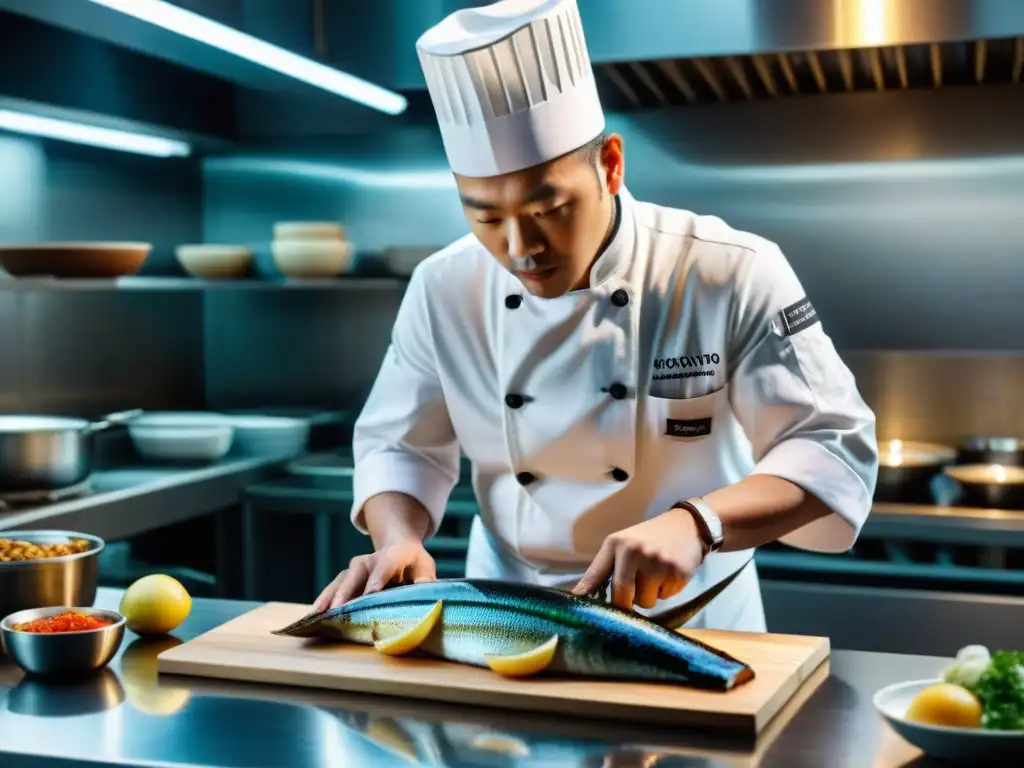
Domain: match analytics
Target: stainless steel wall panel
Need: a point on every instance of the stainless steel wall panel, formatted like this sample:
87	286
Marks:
941	396
302	348
10	353
88	352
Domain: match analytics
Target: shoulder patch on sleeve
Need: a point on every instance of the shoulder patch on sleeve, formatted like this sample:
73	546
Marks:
797	317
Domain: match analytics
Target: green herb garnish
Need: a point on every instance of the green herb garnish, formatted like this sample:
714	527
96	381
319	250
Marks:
1001	692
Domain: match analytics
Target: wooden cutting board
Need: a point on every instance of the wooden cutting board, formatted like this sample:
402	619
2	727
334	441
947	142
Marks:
243	649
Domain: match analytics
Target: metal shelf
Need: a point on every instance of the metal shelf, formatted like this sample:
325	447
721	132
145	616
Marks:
132	283
774	565
946	524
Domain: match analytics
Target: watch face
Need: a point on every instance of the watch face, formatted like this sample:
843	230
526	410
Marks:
709	522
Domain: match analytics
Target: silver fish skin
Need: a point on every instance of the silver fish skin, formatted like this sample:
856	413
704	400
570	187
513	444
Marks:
481	617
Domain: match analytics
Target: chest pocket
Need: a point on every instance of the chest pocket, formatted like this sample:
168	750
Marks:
686	420
685	443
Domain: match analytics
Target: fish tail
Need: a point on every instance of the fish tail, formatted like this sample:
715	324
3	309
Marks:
304	627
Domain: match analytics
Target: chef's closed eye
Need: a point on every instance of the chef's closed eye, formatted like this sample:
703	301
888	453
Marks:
558	210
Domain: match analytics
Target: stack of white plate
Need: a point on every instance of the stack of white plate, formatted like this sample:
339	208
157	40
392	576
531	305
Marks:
270	435
311	249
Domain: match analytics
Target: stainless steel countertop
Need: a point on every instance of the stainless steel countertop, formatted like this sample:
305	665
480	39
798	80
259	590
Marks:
133	499
946	525
127	716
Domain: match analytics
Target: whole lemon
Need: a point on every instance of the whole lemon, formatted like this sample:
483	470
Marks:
155	604
946	704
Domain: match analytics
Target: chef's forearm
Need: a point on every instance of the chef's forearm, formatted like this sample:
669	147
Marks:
761	509
391	517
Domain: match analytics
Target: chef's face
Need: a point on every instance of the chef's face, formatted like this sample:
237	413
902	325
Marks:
546	225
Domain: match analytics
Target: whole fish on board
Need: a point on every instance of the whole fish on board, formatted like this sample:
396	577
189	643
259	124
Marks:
519	630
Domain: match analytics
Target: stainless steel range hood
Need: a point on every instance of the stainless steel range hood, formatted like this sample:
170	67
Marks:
780	48
676	82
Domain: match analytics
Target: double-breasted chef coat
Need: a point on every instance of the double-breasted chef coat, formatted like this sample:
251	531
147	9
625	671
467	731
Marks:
693	359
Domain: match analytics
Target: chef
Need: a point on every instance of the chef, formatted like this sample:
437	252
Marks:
645	395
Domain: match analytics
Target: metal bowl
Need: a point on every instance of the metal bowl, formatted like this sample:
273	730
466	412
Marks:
56	581
63	654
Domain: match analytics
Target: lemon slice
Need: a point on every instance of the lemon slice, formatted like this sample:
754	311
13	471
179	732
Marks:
413	637
532	662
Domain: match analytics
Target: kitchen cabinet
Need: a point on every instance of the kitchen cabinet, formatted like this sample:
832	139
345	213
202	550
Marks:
287	24
379	40
96	77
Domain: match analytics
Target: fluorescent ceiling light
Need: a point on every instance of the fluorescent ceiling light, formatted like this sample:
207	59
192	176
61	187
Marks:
188	24
81	133
378	178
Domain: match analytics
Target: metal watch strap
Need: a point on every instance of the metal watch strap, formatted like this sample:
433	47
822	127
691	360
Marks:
708	523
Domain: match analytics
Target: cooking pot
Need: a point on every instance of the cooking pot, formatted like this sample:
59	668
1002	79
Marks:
906	469
990	485
47	453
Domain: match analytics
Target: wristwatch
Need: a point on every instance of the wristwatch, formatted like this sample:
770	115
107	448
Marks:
708	523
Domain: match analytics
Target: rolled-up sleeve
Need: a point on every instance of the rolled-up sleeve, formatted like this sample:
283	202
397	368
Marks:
403	440
799	403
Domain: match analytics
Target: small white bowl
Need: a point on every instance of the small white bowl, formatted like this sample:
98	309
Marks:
308	230
178	419
270	435
972	745
215	261
311	258
200	443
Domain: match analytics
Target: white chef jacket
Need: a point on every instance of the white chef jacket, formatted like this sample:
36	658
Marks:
692	360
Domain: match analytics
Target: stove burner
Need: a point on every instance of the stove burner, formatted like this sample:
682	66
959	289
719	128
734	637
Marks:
14	499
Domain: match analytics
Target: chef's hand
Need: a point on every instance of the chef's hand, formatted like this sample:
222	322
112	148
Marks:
650	561
401	562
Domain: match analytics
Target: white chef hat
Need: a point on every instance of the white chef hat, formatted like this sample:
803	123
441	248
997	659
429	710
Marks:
512	85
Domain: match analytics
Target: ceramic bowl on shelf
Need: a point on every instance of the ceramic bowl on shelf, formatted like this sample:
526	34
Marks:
213	261
74	260
258	435
311	258
968	746
309	230
182	437
187	444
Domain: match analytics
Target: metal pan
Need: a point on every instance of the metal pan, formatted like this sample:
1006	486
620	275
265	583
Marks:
989	485
47	453
906	469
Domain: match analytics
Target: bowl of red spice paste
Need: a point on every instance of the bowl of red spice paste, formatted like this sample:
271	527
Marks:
62	641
